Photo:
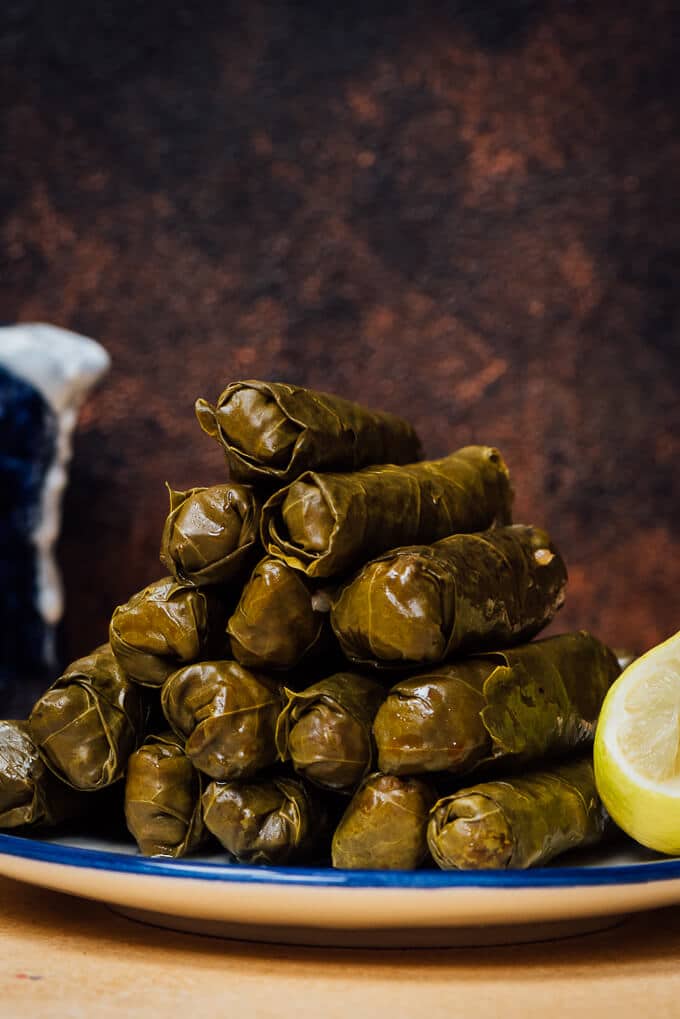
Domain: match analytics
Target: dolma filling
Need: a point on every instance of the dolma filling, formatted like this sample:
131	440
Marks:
255	425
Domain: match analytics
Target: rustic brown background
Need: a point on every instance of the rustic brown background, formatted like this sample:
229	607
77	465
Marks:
467	212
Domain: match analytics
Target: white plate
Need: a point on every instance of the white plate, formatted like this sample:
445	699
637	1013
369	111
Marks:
360	908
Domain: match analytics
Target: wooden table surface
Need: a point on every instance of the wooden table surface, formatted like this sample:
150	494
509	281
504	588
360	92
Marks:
67	957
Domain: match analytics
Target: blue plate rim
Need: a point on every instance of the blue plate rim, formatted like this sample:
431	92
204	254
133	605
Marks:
540	877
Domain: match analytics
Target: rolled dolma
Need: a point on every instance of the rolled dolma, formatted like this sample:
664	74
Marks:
518	823
211	535
226	714
89	721
276	624
165	625
163	798
522	703
273	431
469	592
30	795
325	730
327	524
384	826
273	822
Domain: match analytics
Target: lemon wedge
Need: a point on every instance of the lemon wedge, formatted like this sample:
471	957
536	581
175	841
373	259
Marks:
637	749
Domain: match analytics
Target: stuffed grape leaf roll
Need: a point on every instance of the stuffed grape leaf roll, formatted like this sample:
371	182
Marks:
325	730
470	592
384	826
518	822
270	822
328	524
520	705
226	714
89	721
276	622
163	798
165	625
30	794
272	432
211	535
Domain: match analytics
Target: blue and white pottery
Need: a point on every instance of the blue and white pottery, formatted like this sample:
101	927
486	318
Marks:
45	374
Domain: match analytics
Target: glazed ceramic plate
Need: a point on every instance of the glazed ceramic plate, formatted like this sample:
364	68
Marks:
352	908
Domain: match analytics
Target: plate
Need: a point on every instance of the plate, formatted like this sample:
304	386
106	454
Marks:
321	906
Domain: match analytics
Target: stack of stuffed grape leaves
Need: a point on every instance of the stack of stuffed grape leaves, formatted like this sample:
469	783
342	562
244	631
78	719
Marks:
338	666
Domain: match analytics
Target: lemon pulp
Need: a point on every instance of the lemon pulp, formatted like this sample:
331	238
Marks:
637	749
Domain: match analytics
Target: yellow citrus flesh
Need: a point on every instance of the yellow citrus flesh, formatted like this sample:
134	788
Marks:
637	749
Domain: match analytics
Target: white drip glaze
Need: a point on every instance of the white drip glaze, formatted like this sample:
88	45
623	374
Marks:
63	366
